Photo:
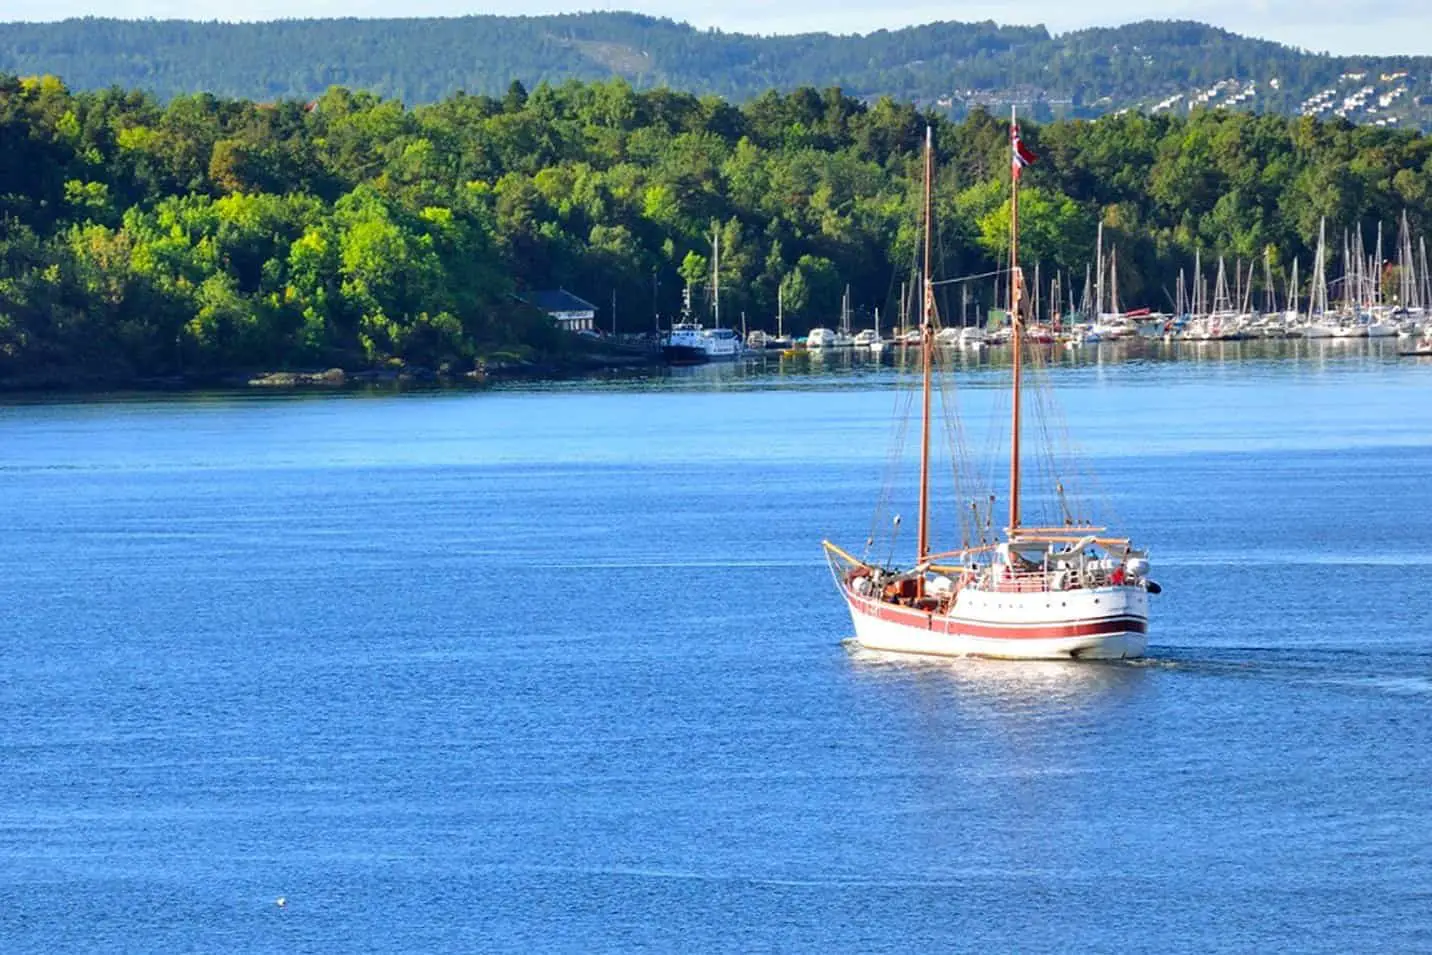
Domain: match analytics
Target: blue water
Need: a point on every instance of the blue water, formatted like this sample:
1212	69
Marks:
559	668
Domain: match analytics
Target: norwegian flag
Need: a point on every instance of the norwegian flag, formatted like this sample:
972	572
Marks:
1021	155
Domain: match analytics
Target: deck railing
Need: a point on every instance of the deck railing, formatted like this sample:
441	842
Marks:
1003	580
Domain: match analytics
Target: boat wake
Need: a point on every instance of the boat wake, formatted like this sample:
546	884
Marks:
1383	673
946	880
1339	669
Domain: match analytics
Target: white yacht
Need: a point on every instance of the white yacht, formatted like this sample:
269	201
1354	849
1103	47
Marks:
722	344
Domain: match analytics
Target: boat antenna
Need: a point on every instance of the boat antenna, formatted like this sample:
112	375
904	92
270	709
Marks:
927	356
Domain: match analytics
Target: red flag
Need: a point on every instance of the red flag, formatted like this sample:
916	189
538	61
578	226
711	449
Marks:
1021	155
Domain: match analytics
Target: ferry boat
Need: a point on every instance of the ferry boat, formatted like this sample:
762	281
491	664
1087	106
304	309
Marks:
1032	592
688	342
685	344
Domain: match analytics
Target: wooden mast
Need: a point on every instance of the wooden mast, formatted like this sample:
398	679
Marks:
927	354
1017	341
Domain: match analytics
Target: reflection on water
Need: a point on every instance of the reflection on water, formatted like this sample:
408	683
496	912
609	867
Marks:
858	364
1051	682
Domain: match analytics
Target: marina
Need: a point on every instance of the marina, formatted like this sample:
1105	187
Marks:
1375	296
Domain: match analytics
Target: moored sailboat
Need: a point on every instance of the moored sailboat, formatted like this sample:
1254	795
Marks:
1033	592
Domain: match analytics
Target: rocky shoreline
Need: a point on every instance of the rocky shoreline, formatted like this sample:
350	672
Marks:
484	371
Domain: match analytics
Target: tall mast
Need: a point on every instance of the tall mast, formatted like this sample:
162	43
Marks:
927	353
1197	282
1426	277
1034	295
1114	280
780	307
1099	272
1319	298
716	273
1375	278
1404	264
1349	271
1270	298
1017	342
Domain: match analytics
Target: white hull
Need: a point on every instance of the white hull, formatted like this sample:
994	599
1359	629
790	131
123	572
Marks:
1108	623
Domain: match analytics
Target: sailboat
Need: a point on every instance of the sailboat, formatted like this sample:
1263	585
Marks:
1070	592
843	338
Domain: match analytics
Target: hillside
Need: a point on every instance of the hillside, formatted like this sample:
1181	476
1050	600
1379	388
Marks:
1153	66
208	236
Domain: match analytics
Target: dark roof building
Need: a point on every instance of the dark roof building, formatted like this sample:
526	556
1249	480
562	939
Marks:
573	314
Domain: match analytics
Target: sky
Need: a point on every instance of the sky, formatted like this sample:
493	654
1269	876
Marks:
1336	26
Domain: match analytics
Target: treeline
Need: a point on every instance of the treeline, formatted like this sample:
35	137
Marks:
424	60
148	239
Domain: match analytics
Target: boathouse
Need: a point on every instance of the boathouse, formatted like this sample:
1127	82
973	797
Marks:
571	313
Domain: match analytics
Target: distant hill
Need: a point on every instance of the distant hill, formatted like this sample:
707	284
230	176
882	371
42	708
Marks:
1155	66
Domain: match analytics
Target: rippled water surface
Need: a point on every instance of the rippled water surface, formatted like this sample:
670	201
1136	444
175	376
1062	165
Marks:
559	668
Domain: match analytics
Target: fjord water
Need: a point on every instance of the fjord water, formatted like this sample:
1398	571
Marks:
559	668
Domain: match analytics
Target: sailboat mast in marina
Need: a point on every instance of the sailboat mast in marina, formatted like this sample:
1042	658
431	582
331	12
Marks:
1038	592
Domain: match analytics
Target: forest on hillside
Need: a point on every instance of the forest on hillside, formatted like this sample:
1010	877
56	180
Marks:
142	238
424	60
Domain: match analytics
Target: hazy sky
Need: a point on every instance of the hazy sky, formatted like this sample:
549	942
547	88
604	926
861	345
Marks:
1339	26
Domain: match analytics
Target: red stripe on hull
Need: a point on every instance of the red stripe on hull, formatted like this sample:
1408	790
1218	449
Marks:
937	624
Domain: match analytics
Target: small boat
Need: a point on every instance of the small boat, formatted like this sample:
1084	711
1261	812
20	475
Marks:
1034	592
765	341
780	341
843	338
722	344
876	343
